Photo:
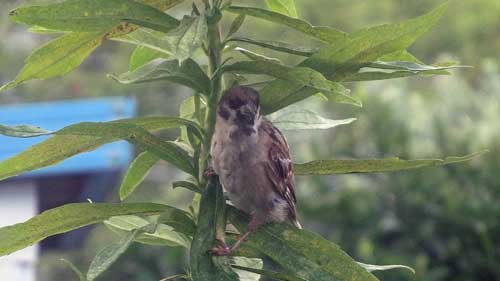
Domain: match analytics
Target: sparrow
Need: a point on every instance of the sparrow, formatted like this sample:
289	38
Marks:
252	160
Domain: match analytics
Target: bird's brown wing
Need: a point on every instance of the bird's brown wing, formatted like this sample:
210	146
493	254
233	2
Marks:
280	166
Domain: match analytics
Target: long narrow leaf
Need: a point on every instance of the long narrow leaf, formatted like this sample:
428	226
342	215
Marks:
302	253
330	167
64	219
144	37
187	37
373	267
75	140
188	73
143	55
203	266
57	57
337	62
278	46
163	235
297	77
295	118
397	69
93	15
136	135
162	5
108	255
279	276
286	7
22	131
323	33
75	270
136	173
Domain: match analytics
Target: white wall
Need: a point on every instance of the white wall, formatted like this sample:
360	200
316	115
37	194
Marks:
18	203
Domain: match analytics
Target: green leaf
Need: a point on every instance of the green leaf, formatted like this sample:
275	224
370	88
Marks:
136	135
372	267
143	55
235	25
187	185
22	131
147	38
242	263
330	167
162	5
188	73
338	62
187	37
271	274
256	57
177	276
163	235
286	7
278	46
49	152
397	69
66	218
301	253
75	270
136	173
93	15
202	265
43	30
296	118
179	220
57	57
272	96
63	146
109	255
323	33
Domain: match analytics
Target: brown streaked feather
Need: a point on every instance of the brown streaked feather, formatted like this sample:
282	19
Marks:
280	167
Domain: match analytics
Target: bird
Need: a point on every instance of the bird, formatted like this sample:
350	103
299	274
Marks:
252	160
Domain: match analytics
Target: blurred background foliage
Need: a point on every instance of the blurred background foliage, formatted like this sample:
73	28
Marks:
442	221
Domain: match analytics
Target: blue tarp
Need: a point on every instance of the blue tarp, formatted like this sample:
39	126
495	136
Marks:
58	114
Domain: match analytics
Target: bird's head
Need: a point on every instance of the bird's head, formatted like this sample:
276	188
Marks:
240	106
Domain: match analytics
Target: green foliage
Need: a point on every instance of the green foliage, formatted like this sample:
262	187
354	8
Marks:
187	73
136	173
142	55
22	131
108	255
303	253
327	34
160	235
286	7
57	57
167	50
93	15
75	269
330	167
295	118
84	137
64	219
187	37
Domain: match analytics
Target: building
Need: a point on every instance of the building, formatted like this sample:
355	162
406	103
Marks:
86	176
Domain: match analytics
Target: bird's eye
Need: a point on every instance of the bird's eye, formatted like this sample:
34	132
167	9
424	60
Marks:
235	103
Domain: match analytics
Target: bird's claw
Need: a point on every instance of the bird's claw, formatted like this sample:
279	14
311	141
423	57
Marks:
222	249
209	172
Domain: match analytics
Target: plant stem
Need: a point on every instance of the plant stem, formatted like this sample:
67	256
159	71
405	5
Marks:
214	56
212	213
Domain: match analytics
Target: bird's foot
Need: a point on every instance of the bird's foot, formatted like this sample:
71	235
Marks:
209	172
221	250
